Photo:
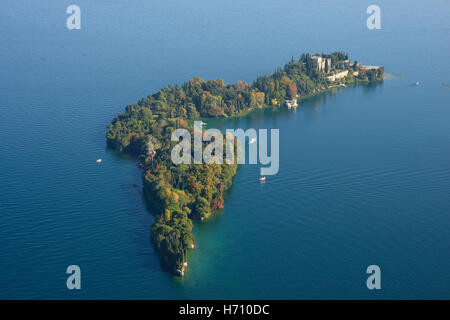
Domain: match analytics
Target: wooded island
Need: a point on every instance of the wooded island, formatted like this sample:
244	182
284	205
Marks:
179	194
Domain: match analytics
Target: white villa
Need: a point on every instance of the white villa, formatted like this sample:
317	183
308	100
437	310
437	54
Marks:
337	76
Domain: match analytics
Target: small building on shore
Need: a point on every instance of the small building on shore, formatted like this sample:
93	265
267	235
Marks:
292	103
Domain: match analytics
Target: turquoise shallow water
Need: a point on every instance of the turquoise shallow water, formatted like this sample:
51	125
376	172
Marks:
364	171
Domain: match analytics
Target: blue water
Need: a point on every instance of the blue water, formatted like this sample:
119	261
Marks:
364	171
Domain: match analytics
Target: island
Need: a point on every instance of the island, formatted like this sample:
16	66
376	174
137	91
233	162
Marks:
180	194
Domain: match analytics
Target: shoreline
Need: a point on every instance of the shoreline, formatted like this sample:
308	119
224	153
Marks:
301	98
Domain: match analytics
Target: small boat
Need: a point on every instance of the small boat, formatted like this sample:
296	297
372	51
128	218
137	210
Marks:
262	179
417	83
99	160
203	123
252	140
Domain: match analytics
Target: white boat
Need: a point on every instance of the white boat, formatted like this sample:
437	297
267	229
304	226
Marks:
417	83
99	160
262	179
252	140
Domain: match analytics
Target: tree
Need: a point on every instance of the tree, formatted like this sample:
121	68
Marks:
292	92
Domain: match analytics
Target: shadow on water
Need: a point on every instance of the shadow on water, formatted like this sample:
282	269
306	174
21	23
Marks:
137	186
369	87
259	118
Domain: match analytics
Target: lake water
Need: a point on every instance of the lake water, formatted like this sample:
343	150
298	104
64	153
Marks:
364	171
